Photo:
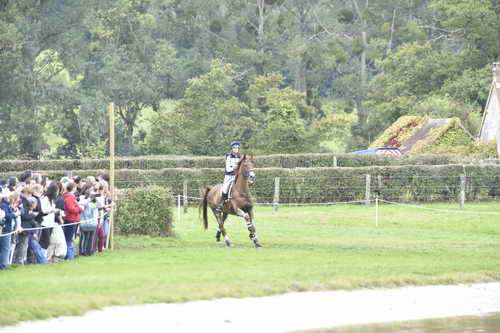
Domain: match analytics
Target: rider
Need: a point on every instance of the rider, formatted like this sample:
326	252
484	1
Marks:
232	160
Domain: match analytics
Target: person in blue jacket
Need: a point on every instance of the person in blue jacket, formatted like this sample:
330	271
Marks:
9	222
232	159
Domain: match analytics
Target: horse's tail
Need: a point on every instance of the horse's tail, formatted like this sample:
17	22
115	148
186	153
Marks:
204	205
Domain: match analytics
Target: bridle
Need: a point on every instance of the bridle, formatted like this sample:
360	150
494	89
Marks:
248	174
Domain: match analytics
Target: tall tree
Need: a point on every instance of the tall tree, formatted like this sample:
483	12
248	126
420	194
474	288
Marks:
131	66
206	118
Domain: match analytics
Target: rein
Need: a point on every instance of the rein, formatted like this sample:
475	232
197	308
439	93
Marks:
245	173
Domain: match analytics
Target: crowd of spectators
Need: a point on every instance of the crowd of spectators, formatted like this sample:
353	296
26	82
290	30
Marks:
40	218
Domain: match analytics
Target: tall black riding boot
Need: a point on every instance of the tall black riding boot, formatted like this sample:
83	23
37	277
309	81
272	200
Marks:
223	199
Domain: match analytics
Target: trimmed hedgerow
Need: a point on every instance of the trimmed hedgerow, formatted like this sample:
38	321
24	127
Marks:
144	163
419	183
327	184
266	161
145	211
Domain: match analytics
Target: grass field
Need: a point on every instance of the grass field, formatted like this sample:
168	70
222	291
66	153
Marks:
305	248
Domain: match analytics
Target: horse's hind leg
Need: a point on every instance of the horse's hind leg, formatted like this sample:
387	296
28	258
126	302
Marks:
220	220
219	233
250	226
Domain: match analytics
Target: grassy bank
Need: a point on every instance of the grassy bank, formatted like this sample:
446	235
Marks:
306	248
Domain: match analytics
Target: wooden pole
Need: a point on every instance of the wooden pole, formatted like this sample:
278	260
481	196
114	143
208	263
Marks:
462	190
276	198
111	110
367	189
178	209
185	196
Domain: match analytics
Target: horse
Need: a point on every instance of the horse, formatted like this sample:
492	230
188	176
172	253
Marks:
239	204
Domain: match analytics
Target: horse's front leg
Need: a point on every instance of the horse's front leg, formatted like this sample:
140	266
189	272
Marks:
250	225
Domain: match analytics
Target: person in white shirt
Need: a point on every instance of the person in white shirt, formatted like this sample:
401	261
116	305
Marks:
57	244
232	159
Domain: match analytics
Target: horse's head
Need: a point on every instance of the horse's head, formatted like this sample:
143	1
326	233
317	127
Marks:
246	169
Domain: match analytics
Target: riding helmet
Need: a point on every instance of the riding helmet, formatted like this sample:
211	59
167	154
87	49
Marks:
235	144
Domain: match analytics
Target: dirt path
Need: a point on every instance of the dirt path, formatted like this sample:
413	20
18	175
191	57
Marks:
283	313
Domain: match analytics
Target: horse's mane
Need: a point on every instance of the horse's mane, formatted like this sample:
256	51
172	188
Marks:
237	170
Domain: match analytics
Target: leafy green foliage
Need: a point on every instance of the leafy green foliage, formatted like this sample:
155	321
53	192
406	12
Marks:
210	115
145	211
63	62
282	116
334	127
450	138
399	132
206	119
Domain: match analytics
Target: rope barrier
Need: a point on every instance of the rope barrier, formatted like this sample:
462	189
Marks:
289	204
46	227
179	197
359	201
313	203
270	179
439	209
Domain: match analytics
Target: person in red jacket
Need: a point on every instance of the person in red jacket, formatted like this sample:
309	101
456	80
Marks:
72	212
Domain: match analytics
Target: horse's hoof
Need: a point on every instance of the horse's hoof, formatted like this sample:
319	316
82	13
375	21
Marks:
257	245
228	243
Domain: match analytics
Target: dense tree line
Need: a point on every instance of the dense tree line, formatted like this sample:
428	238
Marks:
281	75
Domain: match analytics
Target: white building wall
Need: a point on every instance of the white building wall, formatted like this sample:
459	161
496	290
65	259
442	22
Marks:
492	118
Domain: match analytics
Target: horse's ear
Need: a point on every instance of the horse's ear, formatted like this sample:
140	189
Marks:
244	157
252	158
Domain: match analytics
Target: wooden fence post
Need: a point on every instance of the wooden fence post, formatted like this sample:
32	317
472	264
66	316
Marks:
367	189
185	196
111	113
462	190
178	209
276	198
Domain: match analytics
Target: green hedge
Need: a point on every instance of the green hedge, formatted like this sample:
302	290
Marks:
394	183
268	161
145	211
301	185
145	163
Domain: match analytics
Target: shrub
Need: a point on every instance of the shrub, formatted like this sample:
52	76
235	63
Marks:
145	211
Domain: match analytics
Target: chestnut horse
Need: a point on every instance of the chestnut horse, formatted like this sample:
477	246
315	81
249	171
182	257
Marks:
239	204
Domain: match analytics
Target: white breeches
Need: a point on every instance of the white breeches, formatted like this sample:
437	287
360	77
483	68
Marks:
228	181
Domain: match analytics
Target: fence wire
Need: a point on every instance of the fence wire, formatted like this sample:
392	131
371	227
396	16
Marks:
182	201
